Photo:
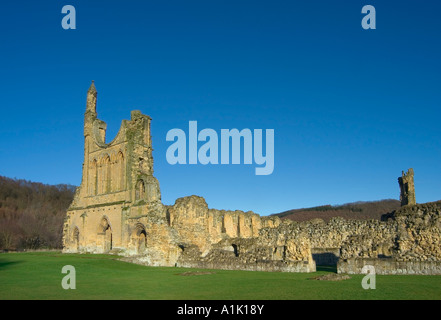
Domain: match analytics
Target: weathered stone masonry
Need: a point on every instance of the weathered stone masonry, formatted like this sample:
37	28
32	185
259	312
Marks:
118	209
407	188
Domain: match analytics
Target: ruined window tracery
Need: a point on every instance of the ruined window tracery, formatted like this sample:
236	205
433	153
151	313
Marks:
140	190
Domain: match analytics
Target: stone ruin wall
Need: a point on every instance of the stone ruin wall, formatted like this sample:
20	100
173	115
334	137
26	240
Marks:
221	239
407	243
410	236
118	209
189	234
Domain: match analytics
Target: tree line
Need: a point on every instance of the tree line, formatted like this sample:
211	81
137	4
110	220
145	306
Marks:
32	214
361	210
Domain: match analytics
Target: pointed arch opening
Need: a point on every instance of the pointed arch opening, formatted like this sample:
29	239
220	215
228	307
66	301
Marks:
105	234
235	250
108	175
93	178
140	190
119	172
104	178
139	238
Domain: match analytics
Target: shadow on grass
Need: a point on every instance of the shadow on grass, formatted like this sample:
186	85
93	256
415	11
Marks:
7	263
332	269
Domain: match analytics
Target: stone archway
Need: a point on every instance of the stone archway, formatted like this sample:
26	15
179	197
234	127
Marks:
142	241
105	233
140	190
139	238
235	250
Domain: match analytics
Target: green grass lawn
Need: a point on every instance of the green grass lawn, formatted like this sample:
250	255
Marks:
37	275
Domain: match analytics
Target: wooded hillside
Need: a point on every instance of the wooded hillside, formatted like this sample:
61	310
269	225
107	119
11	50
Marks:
32	214
356	210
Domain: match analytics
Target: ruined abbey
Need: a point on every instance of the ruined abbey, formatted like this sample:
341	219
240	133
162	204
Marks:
117	209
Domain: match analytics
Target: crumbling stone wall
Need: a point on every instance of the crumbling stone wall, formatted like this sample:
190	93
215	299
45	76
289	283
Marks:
118	209
236	239
416	239
419	232
410	234
390	266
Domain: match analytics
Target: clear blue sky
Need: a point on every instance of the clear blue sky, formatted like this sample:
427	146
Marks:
351	108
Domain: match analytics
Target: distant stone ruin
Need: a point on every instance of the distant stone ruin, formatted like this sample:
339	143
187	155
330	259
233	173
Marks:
407	188
117	209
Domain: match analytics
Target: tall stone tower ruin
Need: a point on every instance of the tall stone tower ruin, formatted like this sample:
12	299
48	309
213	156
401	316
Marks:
407	188
117	184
